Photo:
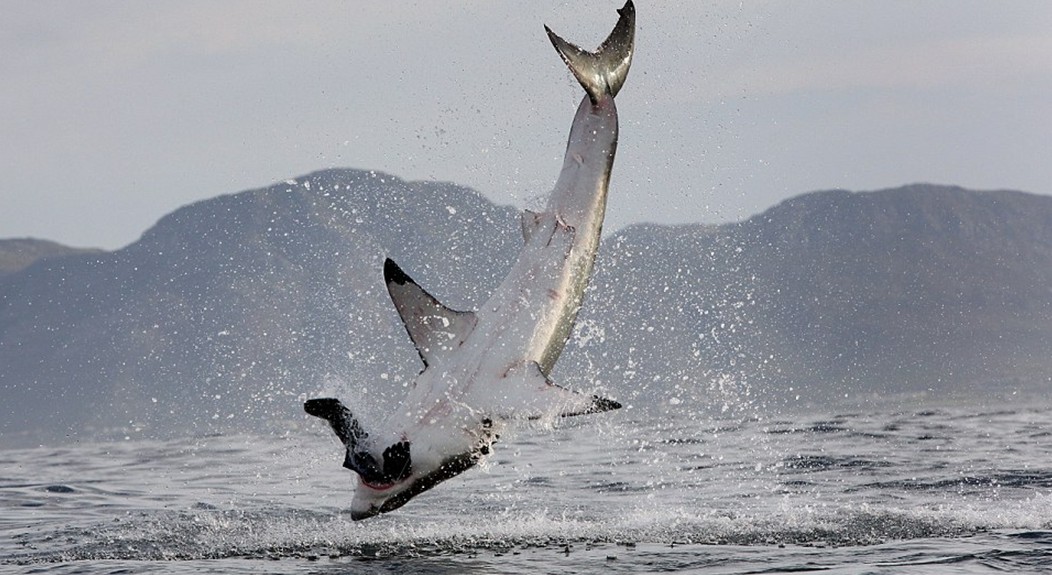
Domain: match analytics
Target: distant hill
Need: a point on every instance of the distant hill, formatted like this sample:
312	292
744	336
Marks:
17	254
230	311
923	288
920	287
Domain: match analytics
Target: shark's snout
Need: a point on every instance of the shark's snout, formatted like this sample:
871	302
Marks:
372	499
363	509
359	514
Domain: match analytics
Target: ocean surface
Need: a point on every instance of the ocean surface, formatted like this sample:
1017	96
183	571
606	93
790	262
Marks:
892	488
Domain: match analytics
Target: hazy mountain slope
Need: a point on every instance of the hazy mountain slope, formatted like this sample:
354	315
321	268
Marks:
918	287
17	254
228	309
228	312
833	294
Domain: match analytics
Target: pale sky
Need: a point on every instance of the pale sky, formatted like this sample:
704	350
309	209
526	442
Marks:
113	114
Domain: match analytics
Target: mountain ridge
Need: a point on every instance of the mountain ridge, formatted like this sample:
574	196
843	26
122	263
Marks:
229	311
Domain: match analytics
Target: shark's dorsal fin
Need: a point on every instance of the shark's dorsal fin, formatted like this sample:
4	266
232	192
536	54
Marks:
526	393
530	221
434	328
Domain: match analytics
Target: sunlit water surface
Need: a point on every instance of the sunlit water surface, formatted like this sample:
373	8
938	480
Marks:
888	490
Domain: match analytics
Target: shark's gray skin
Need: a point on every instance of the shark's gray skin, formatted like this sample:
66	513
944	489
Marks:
488	368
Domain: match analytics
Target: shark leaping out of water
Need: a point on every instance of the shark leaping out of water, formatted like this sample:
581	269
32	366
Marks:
486	369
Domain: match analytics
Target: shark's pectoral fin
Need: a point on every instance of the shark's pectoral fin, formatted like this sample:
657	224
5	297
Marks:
526	393
339	417
397	463
434	328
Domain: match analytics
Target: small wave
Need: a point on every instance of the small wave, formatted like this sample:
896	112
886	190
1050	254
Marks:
1019	479
205	534
827	462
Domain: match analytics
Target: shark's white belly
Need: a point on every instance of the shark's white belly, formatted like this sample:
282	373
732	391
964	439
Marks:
528	320
531	314
485	368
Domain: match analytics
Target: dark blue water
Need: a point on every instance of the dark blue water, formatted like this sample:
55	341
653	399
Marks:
885	489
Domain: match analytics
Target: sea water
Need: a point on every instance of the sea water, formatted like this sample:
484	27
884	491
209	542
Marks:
880	489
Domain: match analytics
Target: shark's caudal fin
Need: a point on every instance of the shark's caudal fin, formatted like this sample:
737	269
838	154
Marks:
603	71
434	328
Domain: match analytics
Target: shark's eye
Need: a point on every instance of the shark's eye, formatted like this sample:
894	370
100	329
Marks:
397	463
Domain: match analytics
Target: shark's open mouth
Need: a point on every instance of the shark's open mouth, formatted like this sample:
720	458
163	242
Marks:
378	486
450	468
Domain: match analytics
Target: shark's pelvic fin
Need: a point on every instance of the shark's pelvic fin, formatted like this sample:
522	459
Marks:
603	71
434	328
526	393
530	221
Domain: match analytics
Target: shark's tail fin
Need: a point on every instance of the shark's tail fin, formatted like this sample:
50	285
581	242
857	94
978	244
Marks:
604	71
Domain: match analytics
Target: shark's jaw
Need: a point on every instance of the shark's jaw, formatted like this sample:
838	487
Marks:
370	500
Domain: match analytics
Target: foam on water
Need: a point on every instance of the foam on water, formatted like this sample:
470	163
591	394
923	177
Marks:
651	489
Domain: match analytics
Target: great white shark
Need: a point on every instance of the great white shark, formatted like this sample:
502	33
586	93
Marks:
486	369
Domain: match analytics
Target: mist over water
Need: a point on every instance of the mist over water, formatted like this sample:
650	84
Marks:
675	488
